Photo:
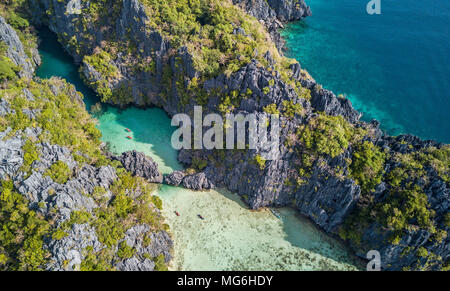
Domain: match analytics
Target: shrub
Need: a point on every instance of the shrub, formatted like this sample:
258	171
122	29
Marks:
160	264
59	172
125	251
101	62
290	109
157	202
260	162
447	220
422	252
22	231
272	109
108	228
404	207
17	21
8	69
330	135
59	234
198	163
367	166
30	154
123	205
100	261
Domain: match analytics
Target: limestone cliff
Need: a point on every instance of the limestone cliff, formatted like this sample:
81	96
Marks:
63	204
346	175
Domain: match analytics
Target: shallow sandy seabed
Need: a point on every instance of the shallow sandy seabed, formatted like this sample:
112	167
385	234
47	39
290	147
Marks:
234	238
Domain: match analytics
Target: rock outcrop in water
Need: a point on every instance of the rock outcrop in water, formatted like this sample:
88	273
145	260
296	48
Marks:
141	165
375	191
196	182
63	204
175	178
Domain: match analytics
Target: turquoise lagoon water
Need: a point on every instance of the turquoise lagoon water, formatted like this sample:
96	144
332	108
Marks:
394	67
231	237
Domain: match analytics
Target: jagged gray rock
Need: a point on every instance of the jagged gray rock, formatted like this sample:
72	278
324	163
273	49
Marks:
175	178
145	248
325	101
57	202
5	108
141	165
46	196
69	252
51	154
134	264
197	182
11	155
274	13
16	51
325	198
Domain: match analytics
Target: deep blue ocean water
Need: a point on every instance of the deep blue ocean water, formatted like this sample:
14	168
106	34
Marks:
394	67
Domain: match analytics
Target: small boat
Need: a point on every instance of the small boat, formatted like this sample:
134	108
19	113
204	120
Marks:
129	137
201	217
127	129
275	213
177	213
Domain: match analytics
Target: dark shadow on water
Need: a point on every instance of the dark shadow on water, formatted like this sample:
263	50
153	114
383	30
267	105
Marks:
57	63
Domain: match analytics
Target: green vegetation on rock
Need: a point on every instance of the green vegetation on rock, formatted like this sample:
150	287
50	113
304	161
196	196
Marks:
59	172
206	28
290	110
16	14
406	207
101	62
260	162
160	264
60	114
367	166
125	251
8	70
22	232
30	155
329	135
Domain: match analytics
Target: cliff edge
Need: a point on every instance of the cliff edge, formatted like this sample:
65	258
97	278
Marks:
376	191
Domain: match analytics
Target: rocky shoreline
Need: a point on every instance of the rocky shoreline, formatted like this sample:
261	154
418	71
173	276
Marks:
61	192
322	183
